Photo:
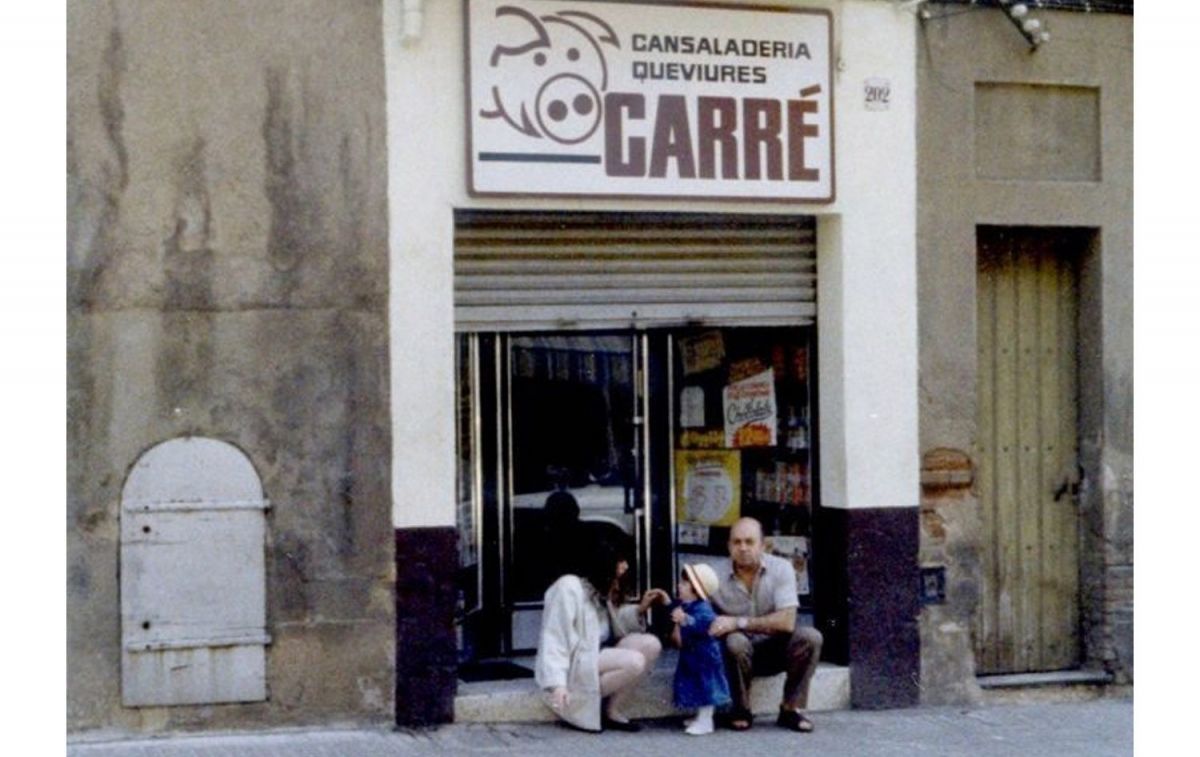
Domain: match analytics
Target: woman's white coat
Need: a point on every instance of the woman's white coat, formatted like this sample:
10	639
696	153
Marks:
569	649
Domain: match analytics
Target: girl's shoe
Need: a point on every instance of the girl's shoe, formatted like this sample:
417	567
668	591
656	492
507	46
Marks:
702	724
699	728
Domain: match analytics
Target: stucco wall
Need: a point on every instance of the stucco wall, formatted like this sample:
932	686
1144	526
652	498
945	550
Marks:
227	262
962	184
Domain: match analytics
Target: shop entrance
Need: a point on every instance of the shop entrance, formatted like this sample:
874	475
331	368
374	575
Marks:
652	441
638	379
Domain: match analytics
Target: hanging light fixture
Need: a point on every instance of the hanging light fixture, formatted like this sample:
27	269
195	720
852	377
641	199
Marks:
1030	28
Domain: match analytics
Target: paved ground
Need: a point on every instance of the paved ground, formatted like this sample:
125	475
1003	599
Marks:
1095	729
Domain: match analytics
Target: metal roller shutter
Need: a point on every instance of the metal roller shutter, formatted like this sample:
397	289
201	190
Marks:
522	271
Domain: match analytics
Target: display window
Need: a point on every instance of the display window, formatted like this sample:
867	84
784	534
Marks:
743	441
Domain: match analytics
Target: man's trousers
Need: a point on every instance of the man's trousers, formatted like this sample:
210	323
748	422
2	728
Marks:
797	654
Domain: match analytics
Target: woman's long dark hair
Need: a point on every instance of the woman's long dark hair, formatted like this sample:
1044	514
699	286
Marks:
596	562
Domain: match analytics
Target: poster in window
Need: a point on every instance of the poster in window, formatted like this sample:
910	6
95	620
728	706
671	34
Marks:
708	485
693	535
702	352
691	407
750	411
794	549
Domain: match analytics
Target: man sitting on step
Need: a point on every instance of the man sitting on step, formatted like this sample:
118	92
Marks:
757	601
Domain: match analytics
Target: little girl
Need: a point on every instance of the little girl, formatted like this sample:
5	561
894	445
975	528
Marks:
700	677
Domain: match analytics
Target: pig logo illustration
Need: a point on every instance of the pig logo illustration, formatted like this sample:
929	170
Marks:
564	51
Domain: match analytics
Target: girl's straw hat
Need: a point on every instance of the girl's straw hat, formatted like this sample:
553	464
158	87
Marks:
702	578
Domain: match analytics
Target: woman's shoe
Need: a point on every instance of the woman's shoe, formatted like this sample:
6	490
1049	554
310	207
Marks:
627	726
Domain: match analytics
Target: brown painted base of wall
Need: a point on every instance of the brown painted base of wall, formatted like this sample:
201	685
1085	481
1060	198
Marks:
426	651
868	604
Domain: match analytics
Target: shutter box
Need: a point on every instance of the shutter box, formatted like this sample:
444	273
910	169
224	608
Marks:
529	271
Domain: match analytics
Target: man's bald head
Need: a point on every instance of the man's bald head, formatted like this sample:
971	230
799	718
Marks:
746	543
746	526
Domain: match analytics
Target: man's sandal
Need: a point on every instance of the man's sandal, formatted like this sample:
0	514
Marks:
794	720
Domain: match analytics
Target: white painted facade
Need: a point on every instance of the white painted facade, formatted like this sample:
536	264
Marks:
867	296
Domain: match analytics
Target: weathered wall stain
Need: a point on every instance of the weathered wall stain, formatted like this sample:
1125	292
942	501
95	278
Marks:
186	358
291	574
79	578
96	236
345	482
193	209
112	109
290	223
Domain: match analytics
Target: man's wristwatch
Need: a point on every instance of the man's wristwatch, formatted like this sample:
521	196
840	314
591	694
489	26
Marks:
742	623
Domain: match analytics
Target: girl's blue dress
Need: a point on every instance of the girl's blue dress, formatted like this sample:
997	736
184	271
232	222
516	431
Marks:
700	675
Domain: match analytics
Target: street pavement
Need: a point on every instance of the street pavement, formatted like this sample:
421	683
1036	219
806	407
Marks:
1094	728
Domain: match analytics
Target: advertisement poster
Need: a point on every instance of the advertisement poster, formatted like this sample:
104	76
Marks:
702	353
794	549
693	535
708	486
642	100
691	407
750	411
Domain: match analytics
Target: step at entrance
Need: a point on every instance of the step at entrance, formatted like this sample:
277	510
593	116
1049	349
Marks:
517	701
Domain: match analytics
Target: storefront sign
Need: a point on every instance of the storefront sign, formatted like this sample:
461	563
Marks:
630	99
750	411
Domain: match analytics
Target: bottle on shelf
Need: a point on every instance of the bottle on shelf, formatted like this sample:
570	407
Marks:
796	435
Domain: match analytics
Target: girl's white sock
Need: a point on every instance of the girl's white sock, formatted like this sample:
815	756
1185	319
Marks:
702	724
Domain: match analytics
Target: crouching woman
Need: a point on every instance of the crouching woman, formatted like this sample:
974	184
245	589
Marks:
593	649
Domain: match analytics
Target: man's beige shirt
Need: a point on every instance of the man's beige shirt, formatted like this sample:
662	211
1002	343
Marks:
774	589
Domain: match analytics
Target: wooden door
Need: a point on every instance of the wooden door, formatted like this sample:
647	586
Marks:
1028	476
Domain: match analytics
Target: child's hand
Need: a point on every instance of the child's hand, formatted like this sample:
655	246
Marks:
678	615
653	597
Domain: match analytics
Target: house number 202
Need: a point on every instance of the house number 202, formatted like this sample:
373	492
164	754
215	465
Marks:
877	94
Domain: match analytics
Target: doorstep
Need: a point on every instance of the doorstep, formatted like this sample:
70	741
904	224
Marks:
1054	686
1055	678
519	702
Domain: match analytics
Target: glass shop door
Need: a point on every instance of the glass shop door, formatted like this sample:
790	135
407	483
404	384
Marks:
575	453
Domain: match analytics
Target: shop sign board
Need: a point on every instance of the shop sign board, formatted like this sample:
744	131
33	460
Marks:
622	99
